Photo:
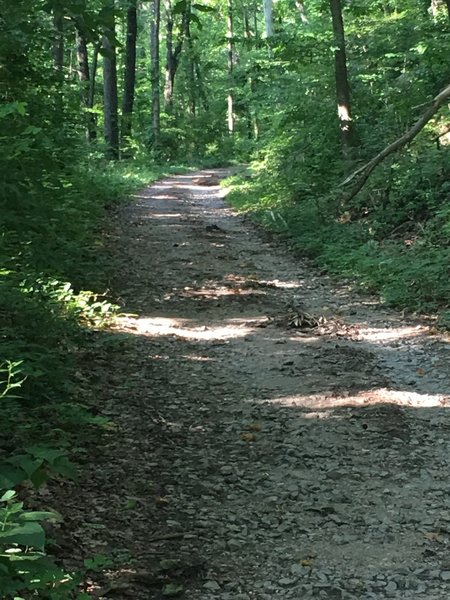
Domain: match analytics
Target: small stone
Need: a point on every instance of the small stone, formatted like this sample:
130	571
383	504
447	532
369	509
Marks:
226	470
212	585
233	544
445	575
299	570
391	588
287	581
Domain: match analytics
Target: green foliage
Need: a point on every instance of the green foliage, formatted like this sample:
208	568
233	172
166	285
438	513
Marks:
396	244
393	237
24	567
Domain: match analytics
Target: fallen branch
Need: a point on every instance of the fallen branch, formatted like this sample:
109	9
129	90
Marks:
365	171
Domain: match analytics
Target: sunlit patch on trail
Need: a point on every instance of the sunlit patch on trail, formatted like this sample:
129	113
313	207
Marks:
364	399
218	292
164	215
373	334
155	197
183	328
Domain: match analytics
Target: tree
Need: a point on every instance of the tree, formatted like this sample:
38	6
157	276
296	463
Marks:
173	49
110	97
230	99
365	171
130	70
85	81
155	17
268	18
341	76
58	43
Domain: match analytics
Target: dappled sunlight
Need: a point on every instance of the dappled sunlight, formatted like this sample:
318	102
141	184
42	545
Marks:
218	292
387	334
364	399
183	328
164	215
155	197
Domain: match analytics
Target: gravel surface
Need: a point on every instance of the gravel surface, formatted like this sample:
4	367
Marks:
253	458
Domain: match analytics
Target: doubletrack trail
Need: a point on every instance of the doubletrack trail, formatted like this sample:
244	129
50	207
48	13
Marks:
254	456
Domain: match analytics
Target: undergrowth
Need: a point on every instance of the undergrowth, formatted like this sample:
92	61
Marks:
392	240
53	298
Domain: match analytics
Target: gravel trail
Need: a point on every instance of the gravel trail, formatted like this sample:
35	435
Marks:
277	436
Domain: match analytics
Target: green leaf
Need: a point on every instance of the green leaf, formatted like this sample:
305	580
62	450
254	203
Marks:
39	477
11	476
8	496
203	8
26	462
46	453
63	466
179	8
29	534
40	516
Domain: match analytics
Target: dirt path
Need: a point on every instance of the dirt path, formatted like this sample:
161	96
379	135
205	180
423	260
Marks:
252	459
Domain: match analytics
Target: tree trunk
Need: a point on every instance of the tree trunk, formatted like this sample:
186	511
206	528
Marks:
155	84
130	70
301	9
94	66
82	64
268	17
191	68
110	85
171	63
252	115
365	171
84	77
230	99
342	85
58	44
201	87
173	52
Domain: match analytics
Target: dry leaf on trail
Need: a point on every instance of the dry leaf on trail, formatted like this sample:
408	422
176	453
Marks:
248	437
433	536
306	562
161	501
254	426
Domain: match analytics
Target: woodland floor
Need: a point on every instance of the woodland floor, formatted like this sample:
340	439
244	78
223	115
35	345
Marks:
253	459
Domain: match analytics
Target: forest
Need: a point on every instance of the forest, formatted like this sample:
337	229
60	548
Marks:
338	112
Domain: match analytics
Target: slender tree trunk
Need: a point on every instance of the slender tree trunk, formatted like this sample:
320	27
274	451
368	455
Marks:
268	17
170	60
155	83
363	173
84	77
173	52
252	116
342	84
130	70
191	67
110	98
301	9
230	99
82	64
58	44
94	67
201	87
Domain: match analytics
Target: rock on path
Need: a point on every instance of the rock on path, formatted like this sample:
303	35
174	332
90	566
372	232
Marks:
252	460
